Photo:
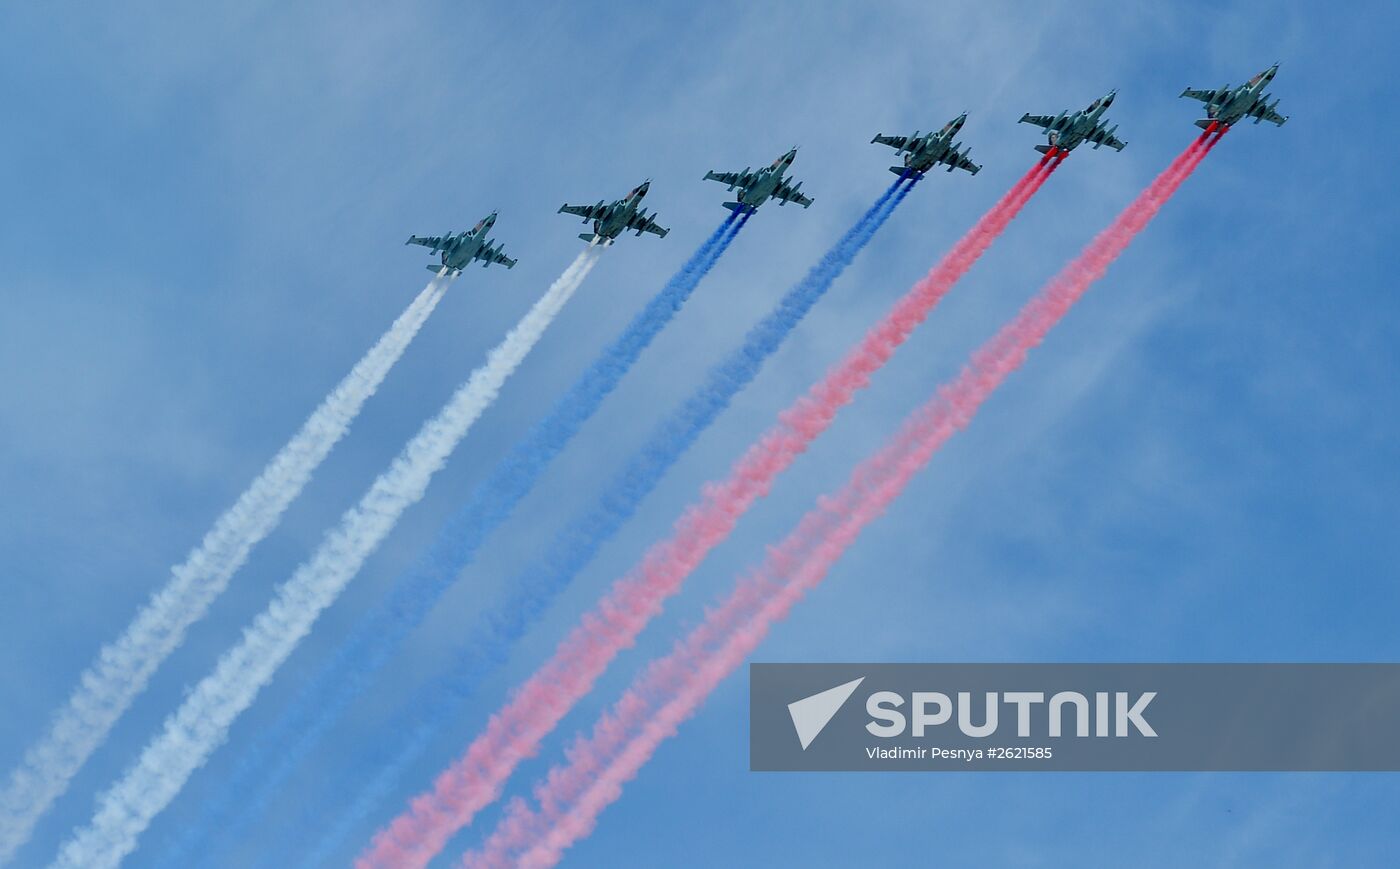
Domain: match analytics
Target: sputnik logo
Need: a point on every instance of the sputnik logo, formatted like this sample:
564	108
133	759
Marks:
811	714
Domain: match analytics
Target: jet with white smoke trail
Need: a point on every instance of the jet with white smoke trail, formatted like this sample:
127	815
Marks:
461	250
275	752
201	723
124	666
610	221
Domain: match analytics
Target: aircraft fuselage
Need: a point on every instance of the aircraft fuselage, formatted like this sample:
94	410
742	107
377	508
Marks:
767	182
620	213
465	248
933	147
1069	130
1237	103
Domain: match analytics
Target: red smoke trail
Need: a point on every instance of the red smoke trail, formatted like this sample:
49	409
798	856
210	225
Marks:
514	732
671	688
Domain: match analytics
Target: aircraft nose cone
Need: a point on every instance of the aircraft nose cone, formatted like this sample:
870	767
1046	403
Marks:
1108	100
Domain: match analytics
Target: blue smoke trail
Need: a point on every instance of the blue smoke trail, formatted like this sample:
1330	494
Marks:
277	751
440	702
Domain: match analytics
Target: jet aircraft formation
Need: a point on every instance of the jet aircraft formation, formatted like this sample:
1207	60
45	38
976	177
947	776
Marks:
921	154
147	788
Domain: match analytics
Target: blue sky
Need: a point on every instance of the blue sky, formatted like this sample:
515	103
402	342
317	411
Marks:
208	206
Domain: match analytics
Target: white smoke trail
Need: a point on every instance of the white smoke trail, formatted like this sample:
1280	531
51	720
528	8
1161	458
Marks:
124	667
202	721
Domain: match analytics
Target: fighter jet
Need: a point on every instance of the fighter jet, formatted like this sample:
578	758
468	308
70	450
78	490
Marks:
458	251
755	188
1067	131
1228	106
610	221
922	153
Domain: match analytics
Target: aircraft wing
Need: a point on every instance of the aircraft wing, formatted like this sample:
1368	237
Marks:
1045	121
587	212
492	254
899	143
1265	112
1203	96
1101	135
432	242
733	179
959	161
643	223
788	192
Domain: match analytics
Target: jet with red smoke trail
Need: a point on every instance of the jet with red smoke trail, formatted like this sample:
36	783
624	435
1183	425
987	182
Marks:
1227	106
923	152
756	188
1066	131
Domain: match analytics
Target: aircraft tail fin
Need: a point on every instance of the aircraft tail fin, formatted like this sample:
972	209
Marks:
588	236
1204	123
1044	149
900	170
736	207
438	268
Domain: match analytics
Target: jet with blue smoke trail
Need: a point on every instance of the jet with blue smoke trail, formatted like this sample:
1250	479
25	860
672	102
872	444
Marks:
277	751
201	723
923	152
756	188
575	546
125	666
